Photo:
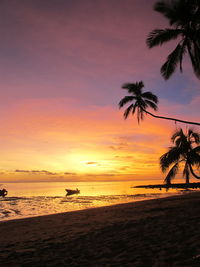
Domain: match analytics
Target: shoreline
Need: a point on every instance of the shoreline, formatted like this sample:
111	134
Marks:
155	232
49	214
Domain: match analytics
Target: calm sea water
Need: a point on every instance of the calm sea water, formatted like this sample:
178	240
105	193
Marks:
34	199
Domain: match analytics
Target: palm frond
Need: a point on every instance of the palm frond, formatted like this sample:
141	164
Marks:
196	15
140	114
194	135
196	53
159	36
182	53
127	111
196	149
152	105
134	88
177	133
170	65
164	8
172	173
190	51
141	103
125	100
170	10
178	12
150	96
134	108
194	156
184	11
183	144
172	156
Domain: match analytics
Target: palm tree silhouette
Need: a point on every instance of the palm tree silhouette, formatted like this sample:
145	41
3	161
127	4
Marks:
185	150
184	17
141	101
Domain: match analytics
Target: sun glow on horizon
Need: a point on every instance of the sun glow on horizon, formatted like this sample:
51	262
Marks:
117	148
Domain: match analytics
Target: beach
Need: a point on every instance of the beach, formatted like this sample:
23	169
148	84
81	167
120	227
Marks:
159	232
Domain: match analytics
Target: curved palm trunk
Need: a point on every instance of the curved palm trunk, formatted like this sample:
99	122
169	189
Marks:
192	172
168	118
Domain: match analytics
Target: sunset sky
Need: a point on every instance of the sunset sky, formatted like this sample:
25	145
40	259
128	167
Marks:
62	66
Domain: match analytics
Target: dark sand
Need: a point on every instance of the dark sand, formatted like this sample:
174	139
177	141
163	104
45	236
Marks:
163	232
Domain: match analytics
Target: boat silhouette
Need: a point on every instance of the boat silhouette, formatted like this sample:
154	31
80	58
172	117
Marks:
72	192
3	192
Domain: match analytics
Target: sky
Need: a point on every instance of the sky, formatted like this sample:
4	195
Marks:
62	67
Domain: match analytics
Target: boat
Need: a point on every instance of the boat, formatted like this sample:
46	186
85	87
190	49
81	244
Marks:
72	192
3	192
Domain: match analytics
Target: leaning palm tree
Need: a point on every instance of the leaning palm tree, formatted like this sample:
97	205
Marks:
184	19
186	152
141	101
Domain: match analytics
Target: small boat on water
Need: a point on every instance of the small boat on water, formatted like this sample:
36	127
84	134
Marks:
72	192
3	192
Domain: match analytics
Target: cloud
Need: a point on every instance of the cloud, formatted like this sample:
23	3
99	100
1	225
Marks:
70	173
91	163
123	168
43	172
119	146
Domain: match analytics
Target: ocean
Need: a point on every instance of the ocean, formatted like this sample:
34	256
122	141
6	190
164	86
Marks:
36	199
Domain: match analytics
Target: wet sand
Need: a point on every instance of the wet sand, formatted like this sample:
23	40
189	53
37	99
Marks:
161	232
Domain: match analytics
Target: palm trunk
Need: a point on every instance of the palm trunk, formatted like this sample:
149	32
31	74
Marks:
187	180
192	172
172	119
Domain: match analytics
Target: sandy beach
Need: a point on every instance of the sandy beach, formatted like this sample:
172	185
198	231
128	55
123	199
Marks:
160	232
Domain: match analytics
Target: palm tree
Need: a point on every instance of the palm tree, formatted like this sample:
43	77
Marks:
141	101
184	19
185	151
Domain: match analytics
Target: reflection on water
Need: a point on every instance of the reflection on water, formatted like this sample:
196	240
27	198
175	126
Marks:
34	199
